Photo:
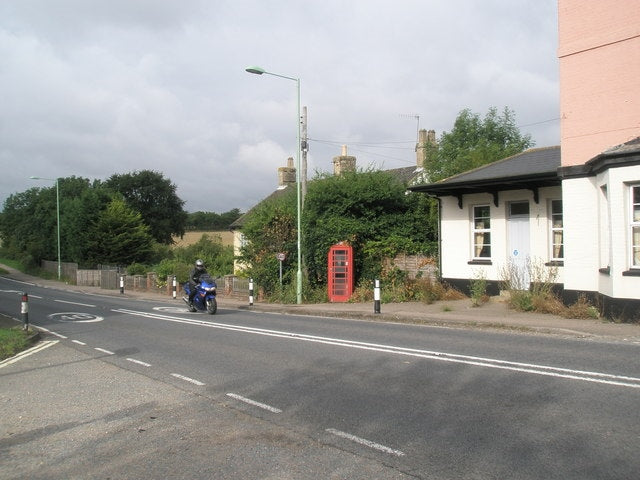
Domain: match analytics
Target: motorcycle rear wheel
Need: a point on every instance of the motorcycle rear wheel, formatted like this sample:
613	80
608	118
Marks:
212	306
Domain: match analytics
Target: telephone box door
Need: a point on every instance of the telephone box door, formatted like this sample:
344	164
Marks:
340	273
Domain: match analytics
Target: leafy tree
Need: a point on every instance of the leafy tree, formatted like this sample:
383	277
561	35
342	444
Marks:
155	198
370	211
81	203
28	225
119	236
211	220
474	142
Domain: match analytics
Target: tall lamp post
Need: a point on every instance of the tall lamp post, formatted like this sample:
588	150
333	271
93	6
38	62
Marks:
261	71
57	216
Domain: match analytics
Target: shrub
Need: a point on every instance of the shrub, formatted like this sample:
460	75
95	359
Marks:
137	269
478	288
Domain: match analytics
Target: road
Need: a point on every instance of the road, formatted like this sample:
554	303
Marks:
335	398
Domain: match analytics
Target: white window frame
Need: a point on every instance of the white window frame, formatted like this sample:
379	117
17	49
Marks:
554	229
480	230
634	226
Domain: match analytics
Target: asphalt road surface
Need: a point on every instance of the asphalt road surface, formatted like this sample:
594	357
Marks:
125	388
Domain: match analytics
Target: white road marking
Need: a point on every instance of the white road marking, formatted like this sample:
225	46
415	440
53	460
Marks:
57	334
545	370
264	406
139	362
75	303
365	442
108	352
39	347
75	317
78	342
187	379
19	281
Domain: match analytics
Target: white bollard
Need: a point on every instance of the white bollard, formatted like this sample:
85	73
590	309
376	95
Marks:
376	296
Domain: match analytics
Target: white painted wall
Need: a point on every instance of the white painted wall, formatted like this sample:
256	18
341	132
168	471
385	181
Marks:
456	232
597	233
616	228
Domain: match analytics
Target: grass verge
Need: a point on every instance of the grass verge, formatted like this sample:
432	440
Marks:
13	341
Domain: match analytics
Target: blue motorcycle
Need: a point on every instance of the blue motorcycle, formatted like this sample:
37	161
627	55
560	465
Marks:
205	297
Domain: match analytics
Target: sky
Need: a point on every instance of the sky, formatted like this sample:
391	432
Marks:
92	88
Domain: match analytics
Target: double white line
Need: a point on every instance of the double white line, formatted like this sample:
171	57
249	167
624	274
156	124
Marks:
39	347
581	375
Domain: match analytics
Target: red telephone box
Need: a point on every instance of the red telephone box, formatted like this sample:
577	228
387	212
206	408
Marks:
340	272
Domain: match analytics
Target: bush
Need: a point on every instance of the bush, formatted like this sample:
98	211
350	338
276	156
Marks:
137	269
478	288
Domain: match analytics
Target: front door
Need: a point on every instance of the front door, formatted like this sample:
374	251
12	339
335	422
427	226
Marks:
519	253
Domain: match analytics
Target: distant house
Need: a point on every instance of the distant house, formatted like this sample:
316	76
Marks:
583	216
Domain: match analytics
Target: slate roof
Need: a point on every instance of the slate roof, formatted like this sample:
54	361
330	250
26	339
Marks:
533	168
239	222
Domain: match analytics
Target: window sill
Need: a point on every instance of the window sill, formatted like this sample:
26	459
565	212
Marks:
555	263
632	273
479	262
605	270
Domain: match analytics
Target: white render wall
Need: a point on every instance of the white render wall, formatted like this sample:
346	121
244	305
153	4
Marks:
456	232
597	233
581	230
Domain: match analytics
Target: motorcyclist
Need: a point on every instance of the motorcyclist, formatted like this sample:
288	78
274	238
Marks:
194	278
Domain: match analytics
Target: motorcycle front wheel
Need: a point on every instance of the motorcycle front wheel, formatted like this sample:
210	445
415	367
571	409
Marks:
212	306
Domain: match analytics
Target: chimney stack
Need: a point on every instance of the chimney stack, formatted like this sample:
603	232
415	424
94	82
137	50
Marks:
287	175
344	163
426	141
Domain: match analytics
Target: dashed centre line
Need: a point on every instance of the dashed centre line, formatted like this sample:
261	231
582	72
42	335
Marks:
365	442
264	406
108	352
187	379
139	362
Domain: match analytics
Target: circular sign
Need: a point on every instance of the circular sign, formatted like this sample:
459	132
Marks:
281	256
516	253
75	317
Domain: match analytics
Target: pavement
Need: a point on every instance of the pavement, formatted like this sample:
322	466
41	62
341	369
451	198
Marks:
495	314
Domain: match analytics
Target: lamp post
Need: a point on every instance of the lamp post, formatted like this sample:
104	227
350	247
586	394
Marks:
261	71
57	216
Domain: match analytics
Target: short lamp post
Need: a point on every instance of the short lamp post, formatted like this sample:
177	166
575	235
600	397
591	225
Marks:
57	216
261	71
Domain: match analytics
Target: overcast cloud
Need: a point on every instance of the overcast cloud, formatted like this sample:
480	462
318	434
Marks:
91	88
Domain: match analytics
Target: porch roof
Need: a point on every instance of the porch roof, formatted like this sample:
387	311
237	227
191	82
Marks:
531	169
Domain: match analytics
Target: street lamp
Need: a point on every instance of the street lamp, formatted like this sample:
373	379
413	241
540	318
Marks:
57	216
260	71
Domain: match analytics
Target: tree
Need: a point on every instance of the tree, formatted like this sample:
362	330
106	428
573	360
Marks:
211	220
474	142
119	236
28	226
155	198
369	210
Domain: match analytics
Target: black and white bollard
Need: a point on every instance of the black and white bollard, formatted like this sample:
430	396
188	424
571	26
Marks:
24	310
175	286
251	292
121	284
376	296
